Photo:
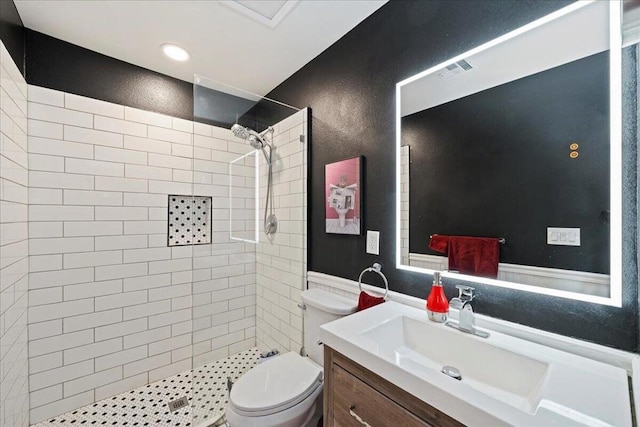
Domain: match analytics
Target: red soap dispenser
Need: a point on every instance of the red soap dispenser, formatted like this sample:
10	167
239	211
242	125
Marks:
437	303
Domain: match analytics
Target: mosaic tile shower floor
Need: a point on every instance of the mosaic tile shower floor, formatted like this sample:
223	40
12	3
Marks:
147	405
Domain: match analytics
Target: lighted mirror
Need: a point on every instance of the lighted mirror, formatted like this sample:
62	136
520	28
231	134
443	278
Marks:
508	159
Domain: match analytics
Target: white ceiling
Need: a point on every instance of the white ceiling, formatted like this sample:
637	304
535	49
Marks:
225	44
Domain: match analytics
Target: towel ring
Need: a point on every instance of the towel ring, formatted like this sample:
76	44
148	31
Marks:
376	268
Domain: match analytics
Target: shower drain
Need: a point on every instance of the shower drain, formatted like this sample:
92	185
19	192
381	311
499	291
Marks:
174	405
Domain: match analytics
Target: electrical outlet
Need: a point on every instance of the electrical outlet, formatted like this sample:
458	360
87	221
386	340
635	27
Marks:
563	236
373	242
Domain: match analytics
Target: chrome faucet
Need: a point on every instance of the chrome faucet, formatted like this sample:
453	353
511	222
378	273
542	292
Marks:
466	317
465	295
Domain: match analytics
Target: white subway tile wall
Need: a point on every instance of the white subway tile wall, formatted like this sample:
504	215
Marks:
14	249
111	304
281	259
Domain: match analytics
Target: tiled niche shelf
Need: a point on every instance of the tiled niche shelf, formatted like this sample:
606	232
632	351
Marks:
189	220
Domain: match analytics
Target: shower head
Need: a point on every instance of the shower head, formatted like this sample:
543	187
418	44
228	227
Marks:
250	135
240	131
254	138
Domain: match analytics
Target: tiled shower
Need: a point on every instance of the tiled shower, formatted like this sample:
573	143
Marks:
94	301
14	244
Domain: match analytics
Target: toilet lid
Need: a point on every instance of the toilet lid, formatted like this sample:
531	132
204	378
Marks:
276	384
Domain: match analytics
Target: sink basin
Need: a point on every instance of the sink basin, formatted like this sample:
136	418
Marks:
505	381
508	376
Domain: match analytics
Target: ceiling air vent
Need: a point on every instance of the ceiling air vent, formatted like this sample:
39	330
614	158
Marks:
266	12
454	69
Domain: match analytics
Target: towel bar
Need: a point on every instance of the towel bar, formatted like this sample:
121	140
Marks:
500	239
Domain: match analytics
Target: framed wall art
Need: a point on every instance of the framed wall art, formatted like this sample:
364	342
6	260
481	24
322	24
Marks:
343	189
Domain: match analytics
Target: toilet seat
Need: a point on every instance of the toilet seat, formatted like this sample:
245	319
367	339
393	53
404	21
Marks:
275	385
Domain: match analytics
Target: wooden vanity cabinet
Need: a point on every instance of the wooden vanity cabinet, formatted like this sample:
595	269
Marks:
356	397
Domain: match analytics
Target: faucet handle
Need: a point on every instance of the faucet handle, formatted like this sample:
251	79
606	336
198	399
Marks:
465	292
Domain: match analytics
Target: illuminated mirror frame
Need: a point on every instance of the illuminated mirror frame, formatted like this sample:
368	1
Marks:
615	101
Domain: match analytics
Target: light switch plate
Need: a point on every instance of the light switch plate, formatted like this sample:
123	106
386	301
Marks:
373	242
563	236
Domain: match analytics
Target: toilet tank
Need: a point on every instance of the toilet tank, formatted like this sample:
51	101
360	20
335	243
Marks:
322	307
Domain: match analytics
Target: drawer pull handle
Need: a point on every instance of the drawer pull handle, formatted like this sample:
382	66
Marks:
357	417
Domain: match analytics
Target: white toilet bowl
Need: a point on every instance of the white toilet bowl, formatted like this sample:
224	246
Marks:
285	391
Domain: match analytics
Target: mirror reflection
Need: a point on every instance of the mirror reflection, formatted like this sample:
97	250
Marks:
505	159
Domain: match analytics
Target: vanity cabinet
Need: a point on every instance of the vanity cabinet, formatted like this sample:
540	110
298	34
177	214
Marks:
356	397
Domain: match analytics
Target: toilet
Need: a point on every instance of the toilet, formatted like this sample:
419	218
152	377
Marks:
286	390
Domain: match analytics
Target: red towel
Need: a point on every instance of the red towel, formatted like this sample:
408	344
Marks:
439	243
367	301
478	256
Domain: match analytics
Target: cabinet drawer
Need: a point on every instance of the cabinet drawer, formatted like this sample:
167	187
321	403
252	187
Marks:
353	398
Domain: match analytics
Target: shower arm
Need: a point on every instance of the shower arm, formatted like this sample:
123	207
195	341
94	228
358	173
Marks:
266	131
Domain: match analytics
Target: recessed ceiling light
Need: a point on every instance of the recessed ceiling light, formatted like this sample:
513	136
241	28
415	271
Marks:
176	53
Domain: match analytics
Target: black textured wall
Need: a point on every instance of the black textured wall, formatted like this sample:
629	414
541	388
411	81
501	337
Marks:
497	164
63	66
59	65
12	32
351	88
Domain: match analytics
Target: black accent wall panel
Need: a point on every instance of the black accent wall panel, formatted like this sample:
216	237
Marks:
497	164
351	88
56	64
12	32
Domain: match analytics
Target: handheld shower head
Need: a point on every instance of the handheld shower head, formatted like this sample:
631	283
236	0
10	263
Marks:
249	135
256	142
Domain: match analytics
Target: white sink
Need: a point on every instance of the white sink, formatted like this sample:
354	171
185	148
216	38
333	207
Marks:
505	380
509	376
